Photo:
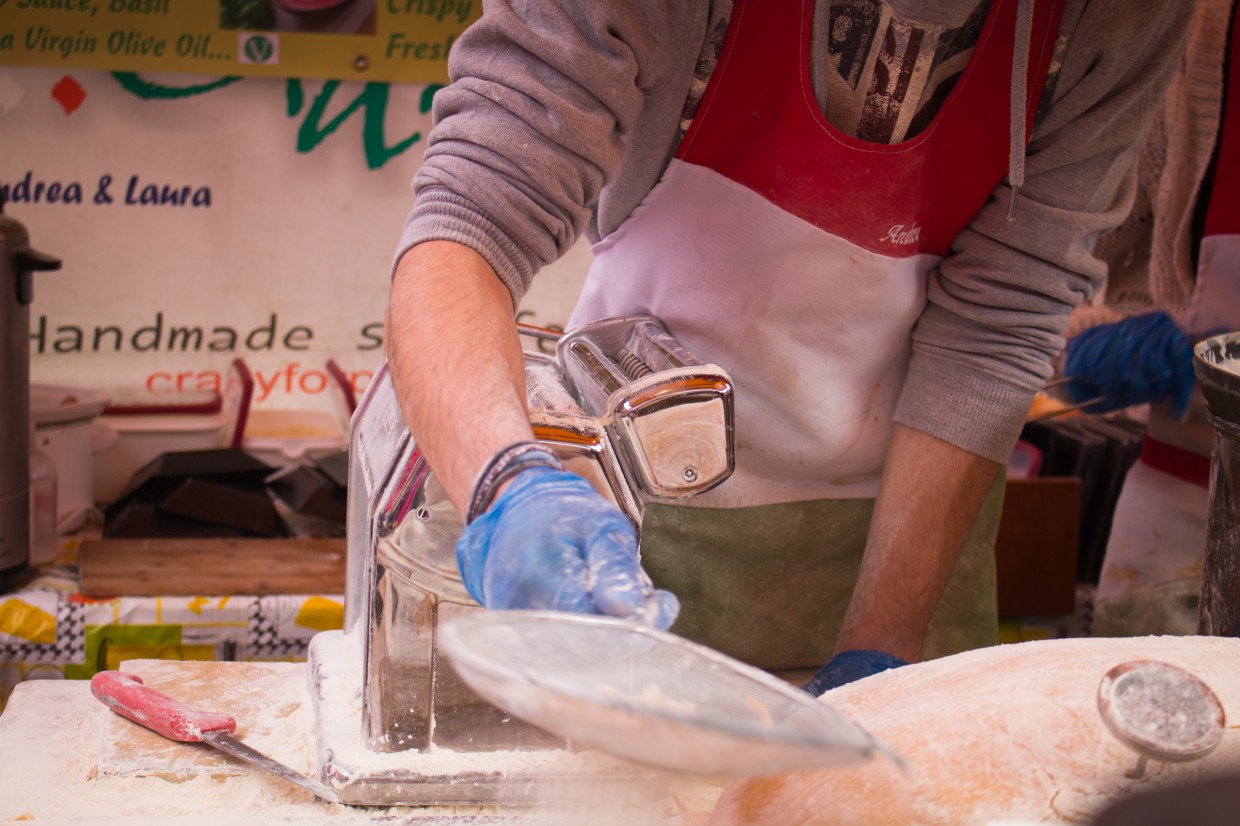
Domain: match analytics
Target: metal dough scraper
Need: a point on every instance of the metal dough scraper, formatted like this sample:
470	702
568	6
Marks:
126	695
648	696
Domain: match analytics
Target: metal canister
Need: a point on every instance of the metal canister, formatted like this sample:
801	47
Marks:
17	264
1217	364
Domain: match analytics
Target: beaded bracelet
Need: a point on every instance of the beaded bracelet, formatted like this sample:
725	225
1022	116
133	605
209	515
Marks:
503	466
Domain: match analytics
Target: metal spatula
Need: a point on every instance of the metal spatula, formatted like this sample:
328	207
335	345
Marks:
648	696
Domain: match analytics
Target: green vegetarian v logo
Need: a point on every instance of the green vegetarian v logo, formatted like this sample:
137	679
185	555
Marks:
258	48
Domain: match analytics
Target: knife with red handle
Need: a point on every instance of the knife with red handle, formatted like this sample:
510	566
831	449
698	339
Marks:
126	695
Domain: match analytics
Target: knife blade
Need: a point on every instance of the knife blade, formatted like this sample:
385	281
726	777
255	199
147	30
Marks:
128	696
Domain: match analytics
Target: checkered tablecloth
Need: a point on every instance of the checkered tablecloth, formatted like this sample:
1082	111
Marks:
49	631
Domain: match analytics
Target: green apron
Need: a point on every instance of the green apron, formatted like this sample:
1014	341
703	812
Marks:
769	585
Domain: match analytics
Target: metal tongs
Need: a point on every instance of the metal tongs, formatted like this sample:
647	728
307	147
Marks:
1068	408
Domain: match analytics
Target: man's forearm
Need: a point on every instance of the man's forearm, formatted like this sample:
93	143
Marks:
456	361
930	495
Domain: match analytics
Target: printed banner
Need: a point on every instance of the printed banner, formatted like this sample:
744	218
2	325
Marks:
202	220
375	40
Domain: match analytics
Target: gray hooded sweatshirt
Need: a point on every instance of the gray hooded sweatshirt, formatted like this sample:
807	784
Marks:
562	115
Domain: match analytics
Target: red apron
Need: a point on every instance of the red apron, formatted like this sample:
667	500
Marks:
796	257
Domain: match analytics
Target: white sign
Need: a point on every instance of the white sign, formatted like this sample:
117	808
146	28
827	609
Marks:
203	219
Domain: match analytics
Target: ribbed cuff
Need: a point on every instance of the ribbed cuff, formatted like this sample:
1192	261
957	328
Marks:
959	406
442	216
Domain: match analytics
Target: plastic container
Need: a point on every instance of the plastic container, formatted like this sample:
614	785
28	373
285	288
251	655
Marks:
149	424
1025	461
44	534
67	429
142	438
285	438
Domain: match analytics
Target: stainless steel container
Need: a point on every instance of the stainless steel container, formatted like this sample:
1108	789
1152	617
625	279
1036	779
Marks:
18	263
1217	364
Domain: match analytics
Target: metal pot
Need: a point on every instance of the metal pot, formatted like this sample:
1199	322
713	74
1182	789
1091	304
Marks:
1217	364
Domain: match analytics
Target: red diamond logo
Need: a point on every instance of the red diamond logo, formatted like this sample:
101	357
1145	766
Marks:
69	94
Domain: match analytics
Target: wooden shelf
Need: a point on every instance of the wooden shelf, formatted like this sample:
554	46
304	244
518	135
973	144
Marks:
223	567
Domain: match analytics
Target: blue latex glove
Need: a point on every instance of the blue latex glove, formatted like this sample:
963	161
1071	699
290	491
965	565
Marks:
848	666
551	542
1146	358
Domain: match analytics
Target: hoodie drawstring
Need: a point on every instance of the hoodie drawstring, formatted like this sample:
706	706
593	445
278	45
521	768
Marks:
1020	96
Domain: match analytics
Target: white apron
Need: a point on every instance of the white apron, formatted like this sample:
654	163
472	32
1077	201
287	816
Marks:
795	257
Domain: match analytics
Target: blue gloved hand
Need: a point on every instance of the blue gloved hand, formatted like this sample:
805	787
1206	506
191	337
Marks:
849	666
1146	358
551	542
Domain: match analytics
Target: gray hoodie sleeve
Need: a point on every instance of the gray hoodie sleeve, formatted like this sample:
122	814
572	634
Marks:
999	302
548	101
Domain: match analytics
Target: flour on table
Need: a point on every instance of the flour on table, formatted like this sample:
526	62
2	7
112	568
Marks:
1006	734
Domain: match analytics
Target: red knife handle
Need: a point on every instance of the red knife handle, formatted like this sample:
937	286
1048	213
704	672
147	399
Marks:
127	696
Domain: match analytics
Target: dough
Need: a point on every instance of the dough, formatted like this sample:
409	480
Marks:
1005	734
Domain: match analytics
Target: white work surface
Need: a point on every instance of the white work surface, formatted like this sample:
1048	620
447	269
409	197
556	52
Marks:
66	759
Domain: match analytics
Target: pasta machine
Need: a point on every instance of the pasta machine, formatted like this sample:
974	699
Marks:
622	403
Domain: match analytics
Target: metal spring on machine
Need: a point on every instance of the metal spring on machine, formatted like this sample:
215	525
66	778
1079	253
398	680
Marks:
632	366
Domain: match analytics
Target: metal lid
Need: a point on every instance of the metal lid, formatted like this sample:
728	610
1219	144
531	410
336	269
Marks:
1161	711
648	696
52	404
